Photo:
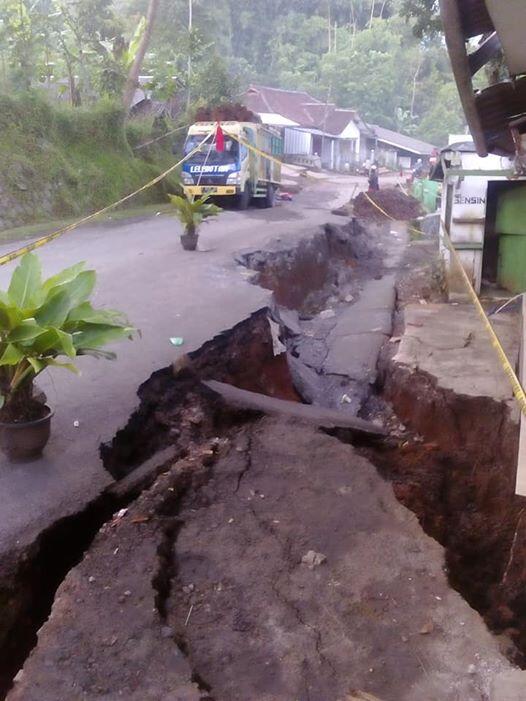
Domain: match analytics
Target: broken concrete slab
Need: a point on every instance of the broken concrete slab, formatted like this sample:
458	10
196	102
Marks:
354	356
449	342
306	381
509	686
255	623
289	319
354	343
353	320
319	416
377	294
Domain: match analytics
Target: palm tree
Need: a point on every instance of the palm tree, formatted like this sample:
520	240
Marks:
191	212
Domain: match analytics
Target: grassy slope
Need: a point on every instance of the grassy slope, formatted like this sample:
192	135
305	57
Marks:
61	162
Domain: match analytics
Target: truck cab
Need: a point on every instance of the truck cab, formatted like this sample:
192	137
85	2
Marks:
237	171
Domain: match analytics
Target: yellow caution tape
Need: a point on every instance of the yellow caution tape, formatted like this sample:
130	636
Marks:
257	150
8	257
518	390
516	386
409	228
159	138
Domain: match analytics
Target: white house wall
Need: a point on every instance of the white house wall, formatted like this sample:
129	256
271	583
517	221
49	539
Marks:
297	143
354	135
468	195
328	153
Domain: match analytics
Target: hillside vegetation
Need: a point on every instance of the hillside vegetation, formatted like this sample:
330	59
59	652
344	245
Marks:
59	161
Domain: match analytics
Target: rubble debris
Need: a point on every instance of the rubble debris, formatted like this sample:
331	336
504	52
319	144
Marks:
391	200
313	559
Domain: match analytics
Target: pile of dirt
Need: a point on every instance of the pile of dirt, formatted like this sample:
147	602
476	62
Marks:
226	112
392	200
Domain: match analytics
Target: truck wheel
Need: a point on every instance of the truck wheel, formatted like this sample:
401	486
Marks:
243	199
270	196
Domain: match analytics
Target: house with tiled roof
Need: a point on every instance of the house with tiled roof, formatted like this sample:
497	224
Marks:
313	130
397	150
317	132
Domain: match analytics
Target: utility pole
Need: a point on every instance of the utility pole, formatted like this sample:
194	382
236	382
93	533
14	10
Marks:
189	68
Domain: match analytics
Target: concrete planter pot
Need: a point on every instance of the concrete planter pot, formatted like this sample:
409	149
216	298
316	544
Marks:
189	241
25	441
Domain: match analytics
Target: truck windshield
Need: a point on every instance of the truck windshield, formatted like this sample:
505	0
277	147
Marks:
208	151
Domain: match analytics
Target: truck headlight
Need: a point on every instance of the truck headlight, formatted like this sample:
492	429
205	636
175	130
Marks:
233	179
187	178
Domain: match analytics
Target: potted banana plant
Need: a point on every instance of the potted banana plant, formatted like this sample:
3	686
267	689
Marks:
191	212
45	323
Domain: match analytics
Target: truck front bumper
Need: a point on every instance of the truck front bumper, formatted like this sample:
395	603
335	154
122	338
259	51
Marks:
210	190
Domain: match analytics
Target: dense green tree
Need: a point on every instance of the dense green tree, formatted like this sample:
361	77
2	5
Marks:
384	58
23	33
367	74
443	117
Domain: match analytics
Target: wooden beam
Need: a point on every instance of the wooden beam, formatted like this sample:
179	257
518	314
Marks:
319	416
456	46
486	51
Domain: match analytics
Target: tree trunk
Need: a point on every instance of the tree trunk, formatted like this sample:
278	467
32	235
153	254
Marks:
135	69
415	83
372	14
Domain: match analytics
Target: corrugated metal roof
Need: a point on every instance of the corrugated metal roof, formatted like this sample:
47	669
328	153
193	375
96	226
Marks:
490	111
402	141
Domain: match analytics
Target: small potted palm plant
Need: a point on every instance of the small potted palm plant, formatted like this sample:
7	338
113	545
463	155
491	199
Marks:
45	323
191	212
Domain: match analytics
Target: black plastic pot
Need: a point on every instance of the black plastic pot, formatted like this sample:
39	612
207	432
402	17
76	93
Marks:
25	441
189	241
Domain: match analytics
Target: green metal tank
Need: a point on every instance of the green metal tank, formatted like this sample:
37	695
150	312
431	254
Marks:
511	227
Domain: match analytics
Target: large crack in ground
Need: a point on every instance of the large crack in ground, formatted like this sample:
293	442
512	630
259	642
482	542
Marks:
286	551
462	488
223	546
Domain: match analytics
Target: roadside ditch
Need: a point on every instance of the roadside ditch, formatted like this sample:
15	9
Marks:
459	486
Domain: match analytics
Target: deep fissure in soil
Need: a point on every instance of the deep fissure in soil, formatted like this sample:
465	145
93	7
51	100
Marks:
28	586
175	409
458	477
461	487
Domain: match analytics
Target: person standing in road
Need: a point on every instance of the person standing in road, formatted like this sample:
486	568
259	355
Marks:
374	185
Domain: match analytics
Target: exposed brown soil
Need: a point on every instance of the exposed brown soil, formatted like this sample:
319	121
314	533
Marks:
177	409
461	484
304	275
392	200
226	112
23	408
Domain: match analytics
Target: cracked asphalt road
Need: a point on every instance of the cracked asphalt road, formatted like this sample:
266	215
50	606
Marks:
263	625
199	591
165	291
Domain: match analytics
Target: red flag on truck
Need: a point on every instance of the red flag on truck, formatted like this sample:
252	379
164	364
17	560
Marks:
220	139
